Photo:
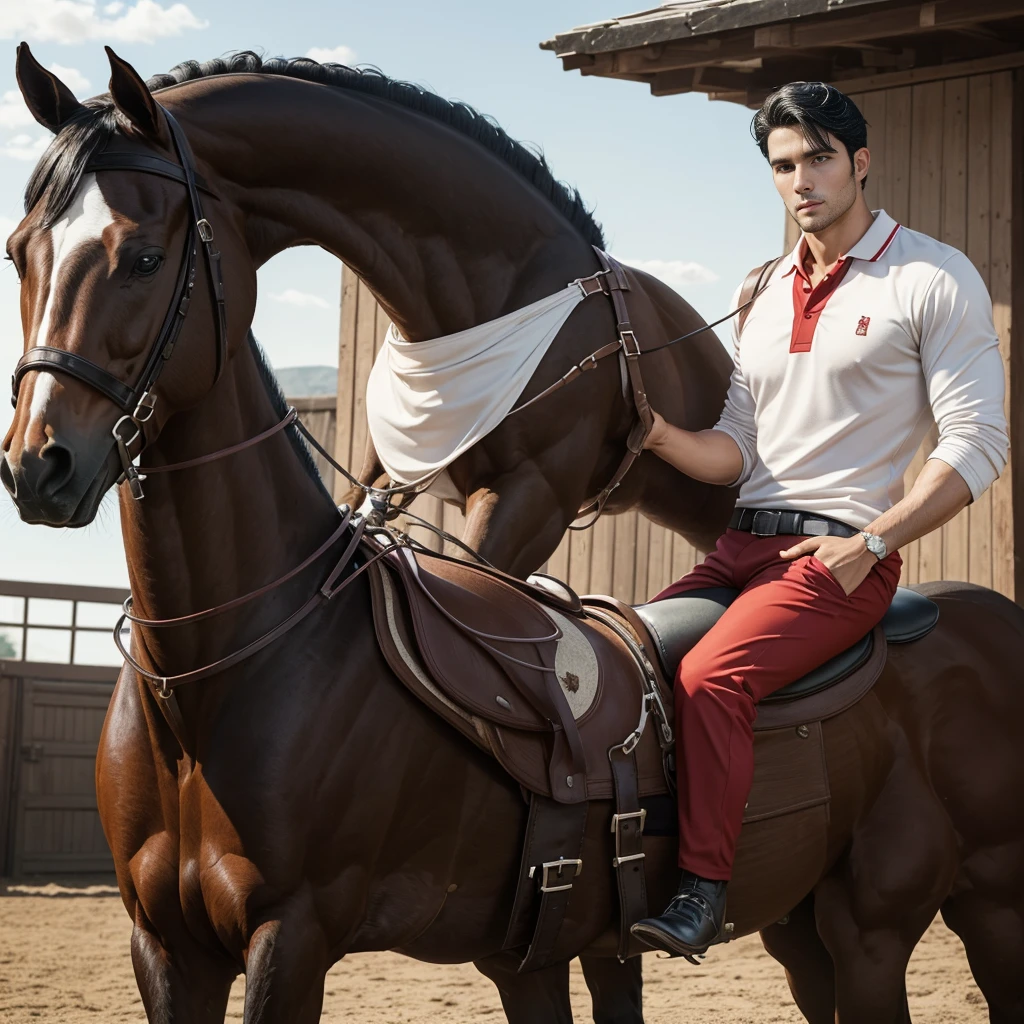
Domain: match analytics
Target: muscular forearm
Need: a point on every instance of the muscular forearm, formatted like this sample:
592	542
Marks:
938	494
710	456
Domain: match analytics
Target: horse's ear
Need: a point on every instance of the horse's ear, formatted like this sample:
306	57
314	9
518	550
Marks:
133	98
48	99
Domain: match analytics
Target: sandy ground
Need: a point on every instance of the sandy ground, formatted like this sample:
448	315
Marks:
64	959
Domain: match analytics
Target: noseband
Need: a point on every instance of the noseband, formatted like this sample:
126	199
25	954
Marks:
137	400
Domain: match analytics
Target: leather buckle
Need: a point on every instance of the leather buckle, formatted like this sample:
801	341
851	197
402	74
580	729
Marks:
557	867
616	818
765	523
592	285
626	337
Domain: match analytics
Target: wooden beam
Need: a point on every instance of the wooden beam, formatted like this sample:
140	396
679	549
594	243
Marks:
670	83
1016	360
897	21
936	73
644	31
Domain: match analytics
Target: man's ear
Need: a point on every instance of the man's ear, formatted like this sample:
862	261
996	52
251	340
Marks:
48	99
133	99
861	163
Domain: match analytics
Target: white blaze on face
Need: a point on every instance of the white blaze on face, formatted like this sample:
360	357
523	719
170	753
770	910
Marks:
82	223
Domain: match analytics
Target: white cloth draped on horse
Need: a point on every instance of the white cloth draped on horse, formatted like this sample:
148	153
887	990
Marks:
429	401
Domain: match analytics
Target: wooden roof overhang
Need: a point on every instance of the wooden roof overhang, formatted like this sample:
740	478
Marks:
740	50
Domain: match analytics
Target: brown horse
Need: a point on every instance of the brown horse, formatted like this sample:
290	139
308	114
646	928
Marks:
304	805
451	224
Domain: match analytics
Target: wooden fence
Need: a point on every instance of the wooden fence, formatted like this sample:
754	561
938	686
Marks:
58	667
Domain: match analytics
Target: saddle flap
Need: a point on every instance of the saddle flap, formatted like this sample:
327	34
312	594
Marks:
463	620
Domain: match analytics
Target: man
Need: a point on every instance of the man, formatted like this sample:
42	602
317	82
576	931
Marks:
864	333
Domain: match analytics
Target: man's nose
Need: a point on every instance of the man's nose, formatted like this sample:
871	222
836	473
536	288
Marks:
802	181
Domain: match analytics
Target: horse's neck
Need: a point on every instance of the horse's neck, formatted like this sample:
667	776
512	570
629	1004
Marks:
206	535
443	232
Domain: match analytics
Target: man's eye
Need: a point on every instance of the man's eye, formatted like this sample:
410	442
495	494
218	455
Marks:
147	264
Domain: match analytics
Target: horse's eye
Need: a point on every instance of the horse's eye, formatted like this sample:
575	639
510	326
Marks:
147	264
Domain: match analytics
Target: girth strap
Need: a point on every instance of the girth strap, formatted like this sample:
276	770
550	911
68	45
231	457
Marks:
552	858
628	862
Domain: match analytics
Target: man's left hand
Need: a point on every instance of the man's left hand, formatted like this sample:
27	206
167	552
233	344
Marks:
846	558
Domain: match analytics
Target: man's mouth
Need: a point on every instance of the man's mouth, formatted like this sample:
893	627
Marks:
808	205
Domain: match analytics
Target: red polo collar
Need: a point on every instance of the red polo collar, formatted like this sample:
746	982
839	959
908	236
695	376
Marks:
809	302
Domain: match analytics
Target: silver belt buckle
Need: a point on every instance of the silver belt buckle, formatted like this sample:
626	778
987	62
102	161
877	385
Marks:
765	523
814	527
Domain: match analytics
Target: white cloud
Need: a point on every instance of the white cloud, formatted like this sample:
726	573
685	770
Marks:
76	21
332	54
293	297
71	77
24	147
682	275
13	112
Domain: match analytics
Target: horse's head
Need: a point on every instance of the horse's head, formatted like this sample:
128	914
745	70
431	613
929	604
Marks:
104	254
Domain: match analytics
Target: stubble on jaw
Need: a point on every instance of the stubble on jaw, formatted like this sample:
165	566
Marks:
824	216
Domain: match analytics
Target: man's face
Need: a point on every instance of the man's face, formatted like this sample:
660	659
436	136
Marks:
817	185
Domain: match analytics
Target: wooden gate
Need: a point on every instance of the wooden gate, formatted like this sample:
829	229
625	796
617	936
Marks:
51	714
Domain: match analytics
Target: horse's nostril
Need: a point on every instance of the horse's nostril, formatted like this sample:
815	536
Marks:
58	468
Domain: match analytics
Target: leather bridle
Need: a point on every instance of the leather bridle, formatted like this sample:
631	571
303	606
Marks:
137	400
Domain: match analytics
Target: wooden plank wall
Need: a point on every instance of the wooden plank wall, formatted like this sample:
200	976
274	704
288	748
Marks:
319	416
941	162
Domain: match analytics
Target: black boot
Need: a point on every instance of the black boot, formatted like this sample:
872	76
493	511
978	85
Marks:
691	921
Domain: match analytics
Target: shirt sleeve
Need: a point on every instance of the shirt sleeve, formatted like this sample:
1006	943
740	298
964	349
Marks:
737	419
964	374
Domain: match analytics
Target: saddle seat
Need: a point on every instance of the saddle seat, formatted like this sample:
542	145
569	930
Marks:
677	623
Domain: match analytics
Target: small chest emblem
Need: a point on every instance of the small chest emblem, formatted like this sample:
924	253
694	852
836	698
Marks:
862	326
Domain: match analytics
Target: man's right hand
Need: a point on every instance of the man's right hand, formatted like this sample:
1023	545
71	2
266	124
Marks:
711	456
657	434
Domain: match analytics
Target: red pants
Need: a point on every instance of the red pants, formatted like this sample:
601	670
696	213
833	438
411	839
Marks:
790	617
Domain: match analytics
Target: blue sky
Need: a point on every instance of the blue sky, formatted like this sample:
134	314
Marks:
676	180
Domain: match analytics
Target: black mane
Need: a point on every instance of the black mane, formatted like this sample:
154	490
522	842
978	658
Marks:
55	179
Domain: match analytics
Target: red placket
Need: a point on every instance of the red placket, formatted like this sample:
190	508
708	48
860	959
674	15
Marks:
808	302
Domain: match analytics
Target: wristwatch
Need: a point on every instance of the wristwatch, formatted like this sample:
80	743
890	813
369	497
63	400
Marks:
874	544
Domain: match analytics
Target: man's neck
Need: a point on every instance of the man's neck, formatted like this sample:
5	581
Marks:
826	246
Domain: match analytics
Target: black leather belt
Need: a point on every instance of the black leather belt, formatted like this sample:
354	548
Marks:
767	522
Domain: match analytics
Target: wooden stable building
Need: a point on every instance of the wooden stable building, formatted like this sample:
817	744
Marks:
941	85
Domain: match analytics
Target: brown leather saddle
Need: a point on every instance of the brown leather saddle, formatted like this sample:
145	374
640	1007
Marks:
573	698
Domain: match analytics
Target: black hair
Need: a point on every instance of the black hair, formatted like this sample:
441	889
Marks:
56	178
816	108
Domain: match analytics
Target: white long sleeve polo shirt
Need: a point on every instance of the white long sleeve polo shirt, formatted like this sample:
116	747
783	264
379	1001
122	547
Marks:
836	386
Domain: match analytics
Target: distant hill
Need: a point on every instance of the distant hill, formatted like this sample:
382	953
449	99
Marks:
308	381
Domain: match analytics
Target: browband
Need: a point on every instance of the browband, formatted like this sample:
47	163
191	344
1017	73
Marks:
150	163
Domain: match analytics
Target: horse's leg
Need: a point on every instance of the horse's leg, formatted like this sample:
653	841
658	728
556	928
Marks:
616	989
870	961
515	524
185	985
809	968
993	935
536	997
286	964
